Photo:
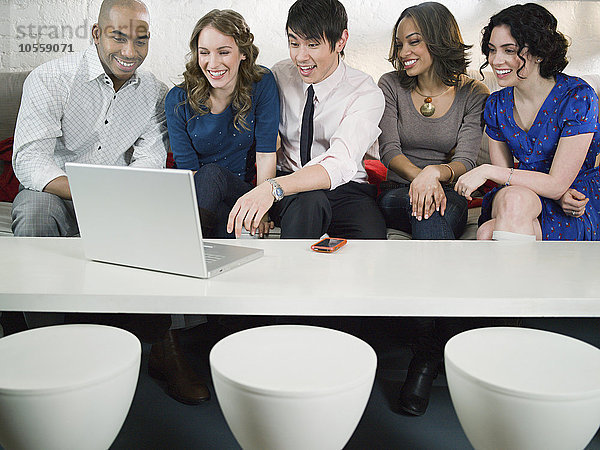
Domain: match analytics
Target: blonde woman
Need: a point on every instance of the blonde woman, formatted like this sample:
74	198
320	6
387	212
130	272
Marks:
224	117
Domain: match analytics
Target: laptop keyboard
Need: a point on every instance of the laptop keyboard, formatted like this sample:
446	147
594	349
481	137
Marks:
211	257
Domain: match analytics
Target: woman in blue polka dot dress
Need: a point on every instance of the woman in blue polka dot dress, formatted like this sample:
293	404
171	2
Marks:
223	118
545	120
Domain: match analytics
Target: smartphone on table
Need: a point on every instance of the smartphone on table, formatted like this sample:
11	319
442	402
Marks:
328	245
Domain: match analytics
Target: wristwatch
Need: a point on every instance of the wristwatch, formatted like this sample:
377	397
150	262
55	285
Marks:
277	189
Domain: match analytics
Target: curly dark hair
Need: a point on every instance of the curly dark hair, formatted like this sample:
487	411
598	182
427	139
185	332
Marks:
534	29
444	42
197	87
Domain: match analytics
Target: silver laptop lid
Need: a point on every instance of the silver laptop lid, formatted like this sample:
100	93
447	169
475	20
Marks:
139	217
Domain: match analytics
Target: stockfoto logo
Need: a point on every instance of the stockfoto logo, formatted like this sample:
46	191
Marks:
37	31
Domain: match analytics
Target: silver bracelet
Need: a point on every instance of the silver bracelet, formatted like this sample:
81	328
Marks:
509	177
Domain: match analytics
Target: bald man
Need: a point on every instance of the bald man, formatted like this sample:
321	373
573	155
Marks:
94	107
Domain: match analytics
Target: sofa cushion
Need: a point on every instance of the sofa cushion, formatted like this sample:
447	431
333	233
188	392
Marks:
9	185
11	87
376	172
170	161
5	219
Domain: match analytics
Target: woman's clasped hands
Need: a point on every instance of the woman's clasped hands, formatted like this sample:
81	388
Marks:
427	194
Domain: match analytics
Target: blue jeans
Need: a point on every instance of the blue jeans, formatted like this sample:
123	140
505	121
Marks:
397	211
217	190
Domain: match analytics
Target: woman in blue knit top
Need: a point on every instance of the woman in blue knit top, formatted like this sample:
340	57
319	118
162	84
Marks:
223	118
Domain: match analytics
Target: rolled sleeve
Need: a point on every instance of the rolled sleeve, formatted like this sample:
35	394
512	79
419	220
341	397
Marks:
35	166
357	132
579	114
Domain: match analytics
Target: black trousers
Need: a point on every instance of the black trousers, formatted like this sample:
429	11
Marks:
348	211
432	333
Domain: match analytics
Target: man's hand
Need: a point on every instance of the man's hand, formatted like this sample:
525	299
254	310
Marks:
573	203
250	209
265	226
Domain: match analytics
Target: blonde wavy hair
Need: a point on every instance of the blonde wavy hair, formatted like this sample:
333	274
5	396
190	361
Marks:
195	83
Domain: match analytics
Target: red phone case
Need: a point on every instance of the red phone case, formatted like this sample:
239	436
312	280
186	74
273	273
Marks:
328	249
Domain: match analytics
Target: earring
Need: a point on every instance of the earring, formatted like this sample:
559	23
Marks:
539	60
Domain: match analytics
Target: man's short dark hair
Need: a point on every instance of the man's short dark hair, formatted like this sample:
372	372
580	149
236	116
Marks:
318	19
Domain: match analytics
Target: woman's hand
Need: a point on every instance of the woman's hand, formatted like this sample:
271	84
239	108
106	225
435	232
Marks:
468	182
573	203
265	226
427	194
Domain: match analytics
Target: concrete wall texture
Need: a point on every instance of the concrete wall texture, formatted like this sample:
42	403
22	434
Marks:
63	25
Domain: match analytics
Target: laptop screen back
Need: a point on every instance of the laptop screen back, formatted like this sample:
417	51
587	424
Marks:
139	217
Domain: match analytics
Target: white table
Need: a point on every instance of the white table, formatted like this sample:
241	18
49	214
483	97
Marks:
365	278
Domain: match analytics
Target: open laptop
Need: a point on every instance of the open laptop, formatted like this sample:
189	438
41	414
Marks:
147	218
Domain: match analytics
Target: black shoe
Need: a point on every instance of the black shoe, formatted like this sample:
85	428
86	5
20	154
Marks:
415	392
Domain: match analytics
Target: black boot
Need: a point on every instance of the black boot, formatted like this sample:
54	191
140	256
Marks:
415	392
168	363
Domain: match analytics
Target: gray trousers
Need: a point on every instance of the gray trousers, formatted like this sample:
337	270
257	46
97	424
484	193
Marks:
43	214
47	215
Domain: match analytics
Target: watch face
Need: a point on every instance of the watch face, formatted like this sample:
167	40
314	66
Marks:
279	193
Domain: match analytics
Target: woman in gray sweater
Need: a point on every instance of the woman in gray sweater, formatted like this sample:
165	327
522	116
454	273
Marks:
431	134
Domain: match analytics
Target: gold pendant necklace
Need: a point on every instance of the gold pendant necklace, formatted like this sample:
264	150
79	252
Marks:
428	108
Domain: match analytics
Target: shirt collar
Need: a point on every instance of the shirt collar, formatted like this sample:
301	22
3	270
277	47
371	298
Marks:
95	69
323	88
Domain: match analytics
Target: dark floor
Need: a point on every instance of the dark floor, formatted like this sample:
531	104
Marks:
156	421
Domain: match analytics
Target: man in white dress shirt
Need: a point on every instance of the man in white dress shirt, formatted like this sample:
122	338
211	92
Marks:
95	107
329	119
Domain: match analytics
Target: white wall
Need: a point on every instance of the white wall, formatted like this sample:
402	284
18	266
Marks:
370	26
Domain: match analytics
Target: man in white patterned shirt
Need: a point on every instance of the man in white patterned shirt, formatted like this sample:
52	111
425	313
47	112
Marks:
330	114
95	107
91	107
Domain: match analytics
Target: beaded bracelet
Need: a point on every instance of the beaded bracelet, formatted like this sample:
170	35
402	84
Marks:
509	177
451	172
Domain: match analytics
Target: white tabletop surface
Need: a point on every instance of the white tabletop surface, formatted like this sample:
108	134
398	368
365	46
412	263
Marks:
370	278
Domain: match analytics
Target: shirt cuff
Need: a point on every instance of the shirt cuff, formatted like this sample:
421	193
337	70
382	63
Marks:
41	181
390	154
469	164
339	172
